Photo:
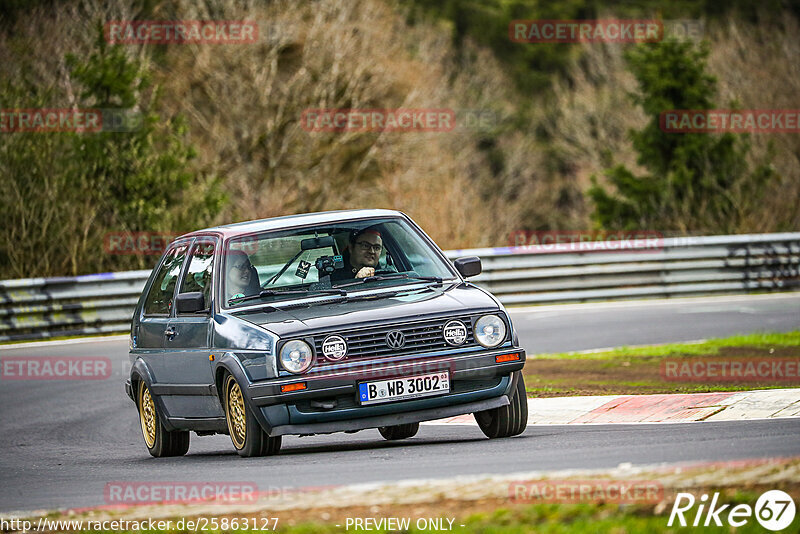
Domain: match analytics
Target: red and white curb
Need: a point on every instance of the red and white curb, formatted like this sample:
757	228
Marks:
671	408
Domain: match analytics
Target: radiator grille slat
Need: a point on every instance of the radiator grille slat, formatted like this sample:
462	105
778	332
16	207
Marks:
421	336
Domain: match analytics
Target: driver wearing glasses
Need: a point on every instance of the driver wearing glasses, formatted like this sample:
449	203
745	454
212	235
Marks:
361	255
242	278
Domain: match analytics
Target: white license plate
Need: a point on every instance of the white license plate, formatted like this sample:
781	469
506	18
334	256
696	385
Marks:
408	387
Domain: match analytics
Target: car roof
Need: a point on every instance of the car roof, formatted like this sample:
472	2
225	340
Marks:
290	221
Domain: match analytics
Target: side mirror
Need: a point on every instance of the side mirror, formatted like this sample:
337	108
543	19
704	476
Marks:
468	266
192	302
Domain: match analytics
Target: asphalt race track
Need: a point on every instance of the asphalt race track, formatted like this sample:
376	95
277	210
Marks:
63	441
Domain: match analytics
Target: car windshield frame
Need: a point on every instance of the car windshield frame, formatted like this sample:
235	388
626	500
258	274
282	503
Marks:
377	286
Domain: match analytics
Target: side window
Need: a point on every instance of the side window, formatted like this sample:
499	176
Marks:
198	274
159	300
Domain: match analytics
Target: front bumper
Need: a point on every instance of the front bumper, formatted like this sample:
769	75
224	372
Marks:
329	401
376	421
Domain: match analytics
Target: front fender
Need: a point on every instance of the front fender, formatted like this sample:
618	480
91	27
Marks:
229	363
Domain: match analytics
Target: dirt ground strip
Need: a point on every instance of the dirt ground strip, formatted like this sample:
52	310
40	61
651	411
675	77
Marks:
459	497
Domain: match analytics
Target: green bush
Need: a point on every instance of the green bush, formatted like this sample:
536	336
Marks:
694	181
67	189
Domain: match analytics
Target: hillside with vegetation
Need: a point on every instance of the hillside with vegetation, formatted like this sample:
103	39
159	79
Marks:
570	143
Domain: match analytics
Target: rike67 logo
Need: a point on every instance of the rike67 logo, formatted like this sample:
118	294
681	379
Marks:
774	510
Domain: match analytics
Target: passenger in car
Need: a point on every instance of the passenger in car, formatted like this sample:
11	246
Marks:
361	256
241	278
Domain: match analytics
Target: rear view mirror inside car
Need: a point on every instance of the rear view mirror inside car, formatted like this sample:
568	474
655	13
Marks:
317	242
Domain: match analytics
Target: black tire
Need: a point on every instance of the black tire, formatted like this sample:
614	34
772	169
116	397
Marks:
272	445
506	421
399	431
247	436
159	441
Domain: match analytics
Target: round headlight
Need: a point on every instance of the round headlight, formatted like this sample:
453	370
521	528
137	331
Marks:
490	331
296	356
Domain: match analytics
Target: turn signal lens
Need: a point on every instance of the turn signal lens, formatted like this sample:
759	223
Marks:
507	358
297	386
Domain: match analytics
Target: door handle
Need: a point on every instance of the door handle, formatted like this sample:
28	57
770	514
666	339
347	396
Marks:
170	333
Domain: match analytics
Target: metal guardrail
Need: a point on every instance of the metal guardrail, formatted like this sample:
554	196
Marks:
676	267
40	308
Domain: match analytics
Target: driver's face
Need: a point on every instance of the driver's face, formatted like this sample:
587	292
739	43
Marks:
239	272
366	251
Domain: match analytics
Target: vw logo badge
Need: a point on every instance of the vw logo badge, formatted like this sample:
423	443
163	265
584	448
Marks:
334	348
395	339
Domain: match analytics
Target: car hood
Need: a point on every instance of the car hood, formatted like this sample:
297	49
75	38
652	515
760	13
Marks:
339	314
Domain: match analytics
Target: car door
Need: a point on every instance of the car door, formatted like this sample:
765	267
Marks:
187	341
156	311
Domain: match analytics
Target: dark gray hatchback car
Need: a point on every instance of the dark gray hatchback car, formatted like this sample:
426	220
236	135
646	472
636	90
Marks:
318	323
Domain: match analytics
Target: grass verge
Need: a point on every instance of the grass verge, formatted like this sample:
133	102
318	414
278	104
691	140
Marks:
491	516
566	501
640	370
554	518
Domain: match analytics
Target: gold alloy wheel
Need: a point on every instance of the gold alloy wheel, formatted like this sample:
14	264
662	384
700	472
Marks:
237	424
147	415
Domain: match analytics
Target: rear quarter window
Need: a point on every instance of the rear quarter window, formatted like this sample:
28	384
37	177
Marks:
159	299
200	270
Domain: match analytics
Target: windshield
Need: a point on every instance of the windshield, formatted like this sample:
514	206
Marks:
315	260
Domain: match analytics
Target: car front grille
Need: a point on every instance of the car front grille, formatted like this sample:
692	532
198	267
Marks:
420	336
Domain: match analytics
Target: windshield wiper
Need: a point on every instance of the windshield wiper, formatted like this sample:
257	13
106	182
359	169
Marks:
396	276
389	294
437	279
276	292
283	269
